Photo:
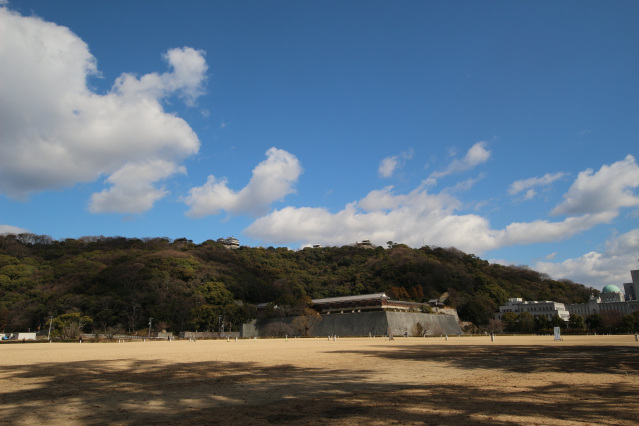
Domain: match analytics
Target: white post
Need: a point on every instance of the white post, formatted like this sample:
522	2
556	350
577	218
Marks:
50	323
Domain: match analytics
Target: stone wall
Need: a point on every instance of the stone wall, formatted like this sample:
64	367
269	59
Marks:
431	324
373	323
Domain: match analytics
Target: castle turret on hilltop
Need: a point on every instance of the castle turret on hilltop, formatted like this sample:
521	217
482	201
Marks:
230	242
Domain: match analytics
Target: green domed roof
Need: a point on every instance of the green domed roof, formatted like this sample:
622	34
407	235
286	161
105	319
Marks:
611	289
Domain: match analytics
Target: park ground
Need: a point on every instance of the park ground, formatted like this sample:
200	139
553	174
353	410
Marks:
461	380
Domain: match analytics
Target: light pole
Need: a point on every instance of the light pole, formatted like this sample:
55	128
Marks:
150	321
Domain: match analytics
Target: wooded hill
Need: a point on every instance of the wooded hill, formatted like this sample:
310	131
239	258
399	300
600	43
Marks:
116	283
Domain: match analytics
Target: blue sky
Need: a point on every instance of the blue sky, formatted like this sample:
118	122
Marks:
505	129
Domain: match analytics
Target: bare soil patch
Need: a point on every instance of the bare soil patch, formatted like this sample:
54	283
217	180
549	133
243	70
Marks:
462	380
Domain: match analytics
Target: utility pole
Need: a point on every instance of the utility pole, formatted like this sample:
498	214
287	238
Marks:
150	321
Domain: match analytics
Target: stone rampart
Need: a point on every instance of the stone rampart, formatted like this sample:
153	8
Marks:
373	323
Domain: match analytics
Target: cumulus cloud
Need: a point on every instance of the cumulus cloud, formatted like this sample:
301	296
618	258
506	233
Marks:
56	132
528	184
132	189
389	165
476	155
609	189
271	181
538	231
415	218
186	78
421	217
597	269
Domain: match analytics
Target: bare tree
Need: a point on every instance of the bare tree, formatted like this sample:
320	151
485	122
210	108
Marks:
277	329
305	322
495	326
111	331
131	312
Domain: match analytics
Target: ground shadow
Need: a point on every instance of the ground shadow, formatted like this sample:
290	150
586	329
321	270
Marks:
147	392
521	359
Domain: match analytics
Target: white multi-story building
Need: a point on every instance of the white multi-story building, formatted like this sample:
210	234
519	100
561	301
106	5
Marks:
545	308
611	299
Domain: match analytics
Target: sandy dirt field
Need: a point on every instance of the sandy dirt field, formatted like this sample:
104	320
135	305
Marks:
462	380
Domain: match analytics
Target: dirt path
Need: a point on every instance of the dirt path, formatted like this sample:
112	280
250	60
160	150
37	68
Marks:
467	380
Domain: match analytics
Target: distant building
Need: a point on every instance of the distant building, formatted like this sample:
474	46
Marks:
545	308
363	303
611	299
632	289
365	244
368	314
19	336
230	242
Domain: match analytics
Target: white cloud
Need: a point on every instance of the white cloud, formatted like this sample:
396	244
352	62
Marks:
415	218
612	266
465	185
528	184
609	189
8	229
186	79
272	180
132	189
476	155
544	231
388	165
56	132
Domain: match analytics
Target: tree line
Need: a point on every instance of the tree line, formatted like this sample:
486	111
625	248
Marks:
604	322
117	283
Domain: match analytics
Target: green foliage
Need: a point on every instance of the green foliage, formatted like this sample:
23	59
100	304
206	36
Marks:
69	326
525	322
542	324
203	318
595	322
215	293
630	323
509	319
576	323
478	309
556	321
121	282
